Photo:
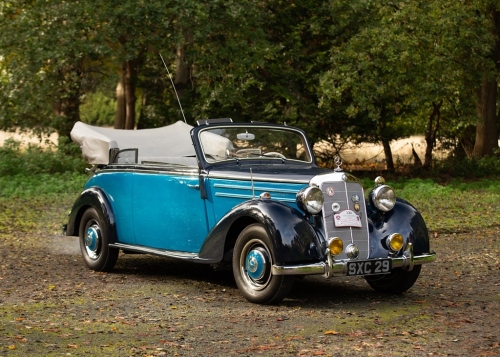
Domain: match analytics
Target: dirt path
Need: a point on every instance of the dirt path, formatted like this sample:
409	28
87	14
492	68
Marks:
51	305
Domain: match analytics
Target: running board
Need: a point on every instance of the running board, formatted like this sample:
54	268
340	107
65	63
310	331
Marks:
161	252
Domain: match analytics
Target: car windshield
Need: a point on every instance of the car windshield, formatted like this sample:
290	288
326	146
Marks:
251	142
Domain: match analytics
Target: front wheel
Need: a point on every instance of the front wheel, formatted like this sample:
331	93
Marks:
396	282
94	242
252	262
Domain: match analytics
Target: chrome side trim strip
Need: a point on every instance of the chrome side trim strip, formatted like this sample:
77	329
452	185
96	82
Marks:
161	252
246	188
249	197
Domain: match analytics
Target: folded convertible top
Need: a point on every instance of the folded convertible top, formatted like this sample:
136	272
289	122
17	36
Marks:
172	140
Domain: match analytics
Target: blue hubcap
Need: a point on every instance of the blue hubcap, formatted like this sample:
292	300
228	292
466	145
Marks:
92	241
255	264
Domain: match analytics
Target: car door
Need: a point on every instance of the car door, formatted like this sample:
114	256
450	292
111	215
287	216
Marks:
169	212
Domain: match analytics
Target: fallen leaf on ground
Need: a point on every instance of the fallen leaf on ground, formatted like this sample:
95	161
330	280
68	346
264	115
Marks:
331	332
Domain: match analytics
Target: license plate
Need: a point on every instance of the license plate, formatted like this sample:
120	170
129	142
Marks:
369	267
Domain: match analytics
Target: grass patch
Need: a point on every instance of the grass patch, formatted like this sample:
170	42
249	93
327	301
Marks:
38	202
455	207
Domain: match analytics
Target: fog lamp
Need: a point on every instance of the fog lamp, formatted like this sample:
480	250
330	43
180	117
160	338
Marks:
395	242
336	246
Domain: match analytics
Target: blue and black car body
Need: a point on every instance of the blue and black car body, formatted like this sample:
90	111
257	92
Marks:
263	207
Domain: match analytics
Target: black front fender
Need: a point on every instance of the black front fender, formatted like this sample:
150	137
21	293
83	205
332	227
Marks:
293	237
403	219
92	197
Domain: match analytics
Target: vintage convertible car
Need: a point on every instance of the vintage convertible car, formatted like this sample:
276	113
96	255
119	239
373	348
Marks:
246	194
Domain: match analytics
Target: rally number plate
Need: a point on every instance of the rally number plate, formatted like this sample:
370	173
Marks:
369	267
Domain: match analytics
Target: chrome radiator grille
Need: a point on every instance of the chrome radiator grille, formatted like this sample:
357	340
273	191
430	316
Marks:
339	197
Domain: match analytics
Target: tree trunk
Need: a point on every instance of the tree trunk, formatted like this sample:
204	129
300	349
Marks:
385	142
143	122
67	111
130	68
388	154
120	103
486	125
431	132
67	108
181	79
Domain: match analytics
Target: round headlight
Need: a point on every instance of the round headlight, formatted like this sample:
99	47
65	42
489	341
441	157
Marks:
383	198
310	199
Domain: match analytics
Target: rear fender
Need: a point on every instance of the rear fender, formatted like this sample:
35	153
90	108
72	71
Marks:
92	197
293	237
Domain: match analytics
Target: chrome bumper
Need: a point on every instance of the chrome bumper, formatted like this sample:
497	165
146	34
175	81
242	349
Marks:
332	267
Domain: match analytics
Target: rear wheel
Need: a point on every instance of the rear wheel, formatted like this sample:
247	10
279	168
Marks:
252	263
94	242
397	282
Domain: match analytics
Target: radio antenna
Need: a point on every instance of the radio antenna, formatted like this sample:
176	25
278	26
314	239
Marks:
173	86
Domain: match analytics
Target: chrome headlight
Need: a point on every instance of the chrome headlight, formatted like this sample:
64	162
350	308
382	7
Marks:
310	199
383	198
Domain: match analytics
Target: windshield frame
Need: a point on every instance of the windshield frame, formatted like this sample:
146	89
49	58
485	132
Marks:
207	161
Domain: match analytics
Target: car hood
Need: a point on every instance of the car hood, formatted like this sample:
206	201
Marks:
267	172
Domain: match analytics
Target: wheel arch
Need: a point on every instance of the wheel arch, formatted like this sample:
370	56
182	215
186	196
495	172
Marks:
404	219
96	198
293	237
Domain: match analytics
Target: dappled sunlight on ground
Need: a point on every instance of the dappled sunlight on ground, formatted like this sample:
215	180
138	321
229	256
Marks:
28	138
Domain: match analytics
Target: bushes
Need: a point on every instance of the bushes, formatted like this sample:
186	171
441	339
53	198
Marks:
34	171
16	160
468	168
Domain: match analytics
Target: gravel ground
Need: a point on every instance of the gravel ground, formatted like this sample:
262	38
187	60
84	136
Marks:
51	305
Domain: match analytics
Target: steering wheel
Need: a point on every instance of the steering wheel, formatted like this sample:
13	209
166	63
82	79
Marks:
274	154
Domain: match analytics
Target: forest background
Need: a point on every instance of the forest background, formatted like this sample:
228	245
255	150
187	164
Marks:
357	71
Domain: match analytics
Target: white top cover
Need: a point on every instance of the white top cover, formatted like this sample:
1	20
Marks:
168	141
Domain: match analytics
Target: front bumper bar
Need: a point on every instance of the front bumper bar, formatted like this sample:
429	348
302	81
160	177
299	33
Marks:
331	267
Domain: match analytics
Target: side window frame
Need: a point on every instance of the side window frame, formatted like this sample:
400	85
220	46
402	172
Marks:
116	157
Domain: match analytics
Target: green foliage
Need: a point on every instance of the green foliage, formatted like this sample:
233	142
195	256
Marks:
41	184
468	168
16	160
50	51
98	109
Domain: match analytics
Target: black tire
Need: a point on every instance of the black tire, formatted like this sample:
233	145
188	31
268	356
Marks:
94	242
252	262
397	282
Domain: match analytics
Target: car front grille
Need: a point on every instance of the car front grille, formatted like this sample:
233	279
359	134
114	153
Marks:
345	195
